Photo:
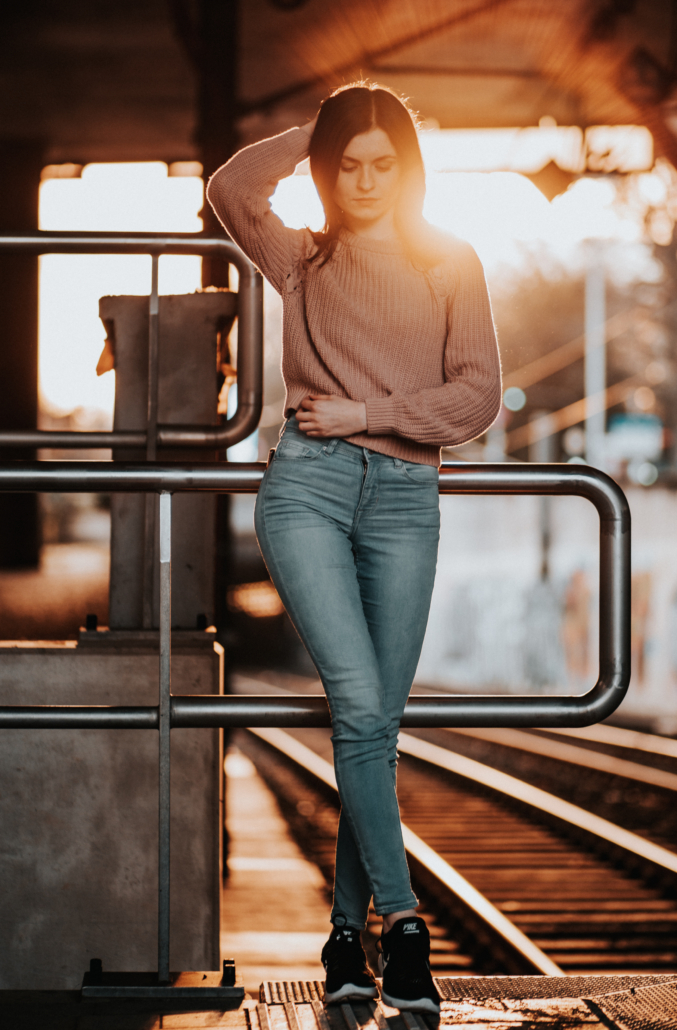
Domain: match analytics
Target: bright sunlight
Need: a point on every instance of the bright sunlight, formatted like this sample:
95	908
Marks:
139	197
497	211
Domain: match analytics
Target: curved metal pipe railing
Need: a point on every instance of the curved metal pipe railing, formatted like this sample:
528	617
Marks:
421	710
174	712
250	338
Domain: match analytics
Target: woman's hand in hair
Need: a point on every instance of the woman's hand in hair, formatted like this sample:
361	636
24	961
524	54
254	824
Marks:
325	415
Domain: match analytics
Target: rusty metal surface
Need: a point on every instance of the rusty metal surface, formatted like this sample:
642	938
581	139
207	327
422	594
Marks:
480	988
485	1003
639	1008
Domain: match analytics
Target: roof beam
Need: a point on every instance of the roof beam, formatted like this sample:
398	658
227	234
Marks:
367	58
489	73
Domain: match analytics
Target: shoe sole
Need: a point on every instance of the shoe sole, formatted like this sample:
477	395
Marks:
350	991
411	1005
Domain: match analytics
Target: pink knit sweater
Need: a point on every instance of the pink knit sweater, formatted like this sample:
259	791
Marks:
418	347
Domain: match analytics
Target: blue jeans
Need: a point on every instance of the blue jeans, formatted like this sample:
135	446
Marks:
350	539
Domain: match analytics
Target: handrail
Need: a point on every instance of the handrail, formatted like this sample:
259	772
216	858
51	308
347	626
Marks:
250	337
421	710
176	711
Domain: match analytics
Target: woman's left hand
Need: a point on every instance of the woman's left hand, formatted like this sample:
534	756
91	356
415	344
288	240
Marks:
322	414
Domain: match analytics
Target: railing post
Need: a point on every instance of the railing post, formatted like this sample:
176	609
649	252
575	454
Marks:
153	359
164	728
151	443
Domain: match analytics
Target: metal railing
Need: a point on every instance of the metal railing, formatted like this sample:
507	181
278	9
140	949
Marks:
246	417
438	710
421	710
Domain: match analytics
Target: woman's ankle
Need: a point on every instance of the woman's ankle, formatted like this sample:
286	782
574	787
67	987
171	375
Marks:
391	918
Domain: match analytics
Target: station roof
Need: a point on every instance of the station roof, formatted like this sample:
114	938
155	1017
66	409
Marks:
111	81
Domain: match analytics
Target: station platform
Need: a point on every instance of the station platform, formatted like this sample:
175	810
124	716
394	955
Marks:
275	902
276	939
474	1003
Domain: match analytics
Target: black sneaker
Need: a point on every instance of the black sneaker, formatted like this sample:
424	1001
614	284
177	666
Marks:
404	962
345	963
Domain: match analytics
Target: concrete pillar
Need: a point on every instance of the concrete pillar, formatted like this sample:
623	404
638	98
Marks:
79	812
188	389
21	162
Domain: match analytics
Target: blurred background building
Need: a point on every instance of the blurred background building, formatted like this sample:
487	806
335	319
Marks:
549	132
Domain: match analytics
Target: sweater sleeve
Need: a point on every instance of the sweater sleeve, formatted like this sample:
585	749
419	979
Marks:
470	399
239	192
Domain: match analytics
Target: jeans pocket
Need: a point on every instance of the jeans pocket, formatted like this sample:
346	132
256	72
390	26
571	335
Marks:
425	475
291	447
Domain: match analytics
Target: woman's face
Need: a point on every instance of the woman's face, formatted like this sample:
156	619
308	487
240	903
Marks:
368	183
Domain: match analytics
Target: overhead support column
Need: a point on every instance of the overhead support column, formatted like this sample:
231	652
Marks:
216	66
216	132
21	162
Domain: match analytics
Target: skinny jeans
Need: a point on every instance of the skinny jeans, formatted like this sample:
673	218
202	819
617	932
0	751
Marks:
350	539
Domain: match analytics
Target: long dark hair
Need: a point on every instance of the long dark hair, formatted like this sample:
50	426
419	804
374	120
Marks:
348	112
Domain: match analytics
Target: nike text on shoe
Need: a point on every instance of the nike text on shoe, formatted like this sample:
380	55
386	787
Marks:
347	972
405	965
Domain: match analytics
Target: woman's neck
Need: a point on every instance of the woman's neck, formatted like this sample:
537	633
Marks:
378	229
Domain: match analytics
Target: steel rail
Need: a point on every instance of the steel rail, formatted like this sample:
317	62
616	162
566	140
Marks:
421	710
519	953
574	755
250	336
633	740
571	816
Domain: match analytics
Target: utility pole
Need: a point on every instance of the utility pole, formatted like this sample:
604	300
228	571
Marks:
595	353
544	451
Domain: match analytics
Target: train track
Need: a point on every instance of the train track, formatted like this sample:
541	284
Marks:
631	786
626	776
513	879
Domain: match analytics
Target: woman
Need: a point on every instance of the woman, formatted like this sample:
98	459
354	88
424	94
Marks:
389	352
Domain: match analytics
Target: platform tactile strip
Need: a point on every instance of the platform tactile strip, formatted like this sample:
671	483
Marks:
279	992
460	988
640	1008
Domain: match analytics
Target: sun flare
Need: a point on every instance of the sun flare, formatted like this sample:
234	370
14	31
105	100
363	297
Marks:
498	212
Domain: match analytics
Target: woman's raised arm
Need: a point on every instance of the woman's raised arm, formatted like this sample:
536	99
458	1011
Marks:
239	192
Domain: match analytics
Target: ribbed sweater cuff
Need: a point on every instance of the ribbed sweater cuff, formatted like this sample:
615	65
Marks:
380	415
